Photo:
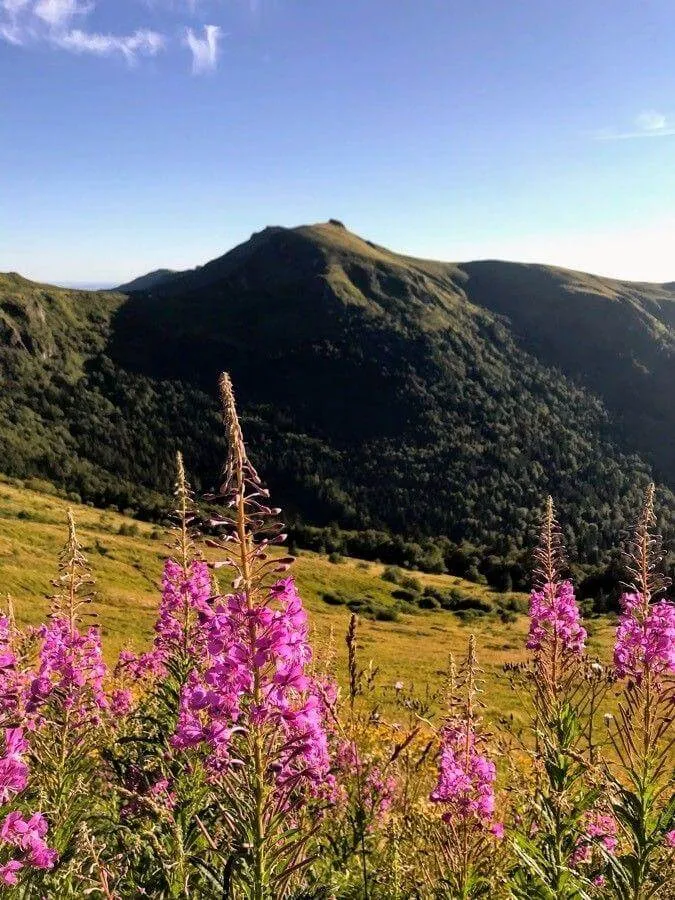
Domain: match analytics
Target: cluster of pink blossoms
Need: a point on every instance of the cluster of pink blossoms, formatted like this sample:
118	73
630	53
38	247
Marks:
180	595
23	837
466	779
554	616
13	770
13	679
645	638
601	828
70	673
265	645
26	836
17	833
71	669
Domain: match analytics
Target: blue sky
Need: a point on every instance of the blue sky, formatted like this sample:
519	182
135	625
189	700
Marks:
136	134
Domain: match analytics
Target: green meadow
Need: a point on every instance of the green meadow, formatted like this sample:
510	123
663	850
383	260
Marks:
409	645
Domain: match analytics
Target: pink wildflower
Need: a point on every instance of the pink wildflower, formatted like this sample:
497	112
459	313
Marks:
645	638
670	838
13	770
600	828
28	835
71	668
466	777
554	616
185	601
13	778
270	641
381	789
120	702
9	873
12	679
182	595
603	828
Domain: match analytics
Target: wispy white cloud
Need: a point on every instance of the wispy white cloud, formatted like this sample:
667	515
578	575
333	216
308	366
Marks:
59	13
142	42
205	50
67	25
11	27
651	120
52	23
12	33
649	124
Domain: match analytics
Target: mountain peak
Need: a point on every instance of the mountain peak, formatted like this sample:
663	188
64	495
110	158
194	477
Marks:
380	391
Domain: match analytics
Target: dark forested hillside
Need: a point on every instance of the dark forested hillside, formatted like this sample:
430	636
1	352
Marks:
381	393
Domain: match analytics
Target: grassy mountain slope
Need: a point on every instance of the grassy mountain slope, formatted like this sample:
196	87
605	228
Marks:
127	558
378	391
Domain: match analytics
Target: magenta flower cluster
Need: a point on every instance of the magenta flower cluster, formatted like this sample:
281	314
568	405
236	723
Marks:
13	678
68	680
600	828
71	671
466	778
27	837
184	599
178	629
13	769
255	676
645	638
554	618
23	837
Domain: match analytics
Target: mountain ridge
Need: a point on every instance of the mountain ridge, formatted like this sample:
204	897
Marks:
414	397
333	234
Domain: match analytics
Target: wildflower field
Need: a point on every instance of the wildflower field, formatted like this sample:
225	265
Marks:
215	741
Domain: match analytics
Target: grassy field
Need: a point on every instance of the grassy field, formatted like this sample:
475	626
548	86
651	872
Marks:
127	557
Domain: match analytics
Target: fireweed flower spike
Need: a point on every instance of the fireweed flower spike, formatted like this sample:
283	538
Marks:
179	640
563	698
22	839
253	705
642	731
465	789
555	631
62	703
645	639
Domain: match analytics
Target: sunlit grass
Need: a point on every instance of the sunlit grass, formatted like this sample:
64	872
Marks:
128	567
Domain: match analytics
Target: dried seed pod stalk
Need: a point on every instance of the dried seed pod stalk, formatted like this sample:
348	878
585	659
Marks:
252	528
74	577
185	516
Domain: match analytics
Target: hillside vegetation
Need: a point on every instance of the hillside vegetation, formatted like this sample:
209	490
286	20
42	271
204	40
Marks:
127	558
401	409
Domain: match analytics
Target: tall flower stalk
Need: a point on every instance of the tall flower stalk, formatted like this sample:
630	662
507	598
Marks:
562	695
642	733
162	793
68	710
556	635
465	790
23	843
253	705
